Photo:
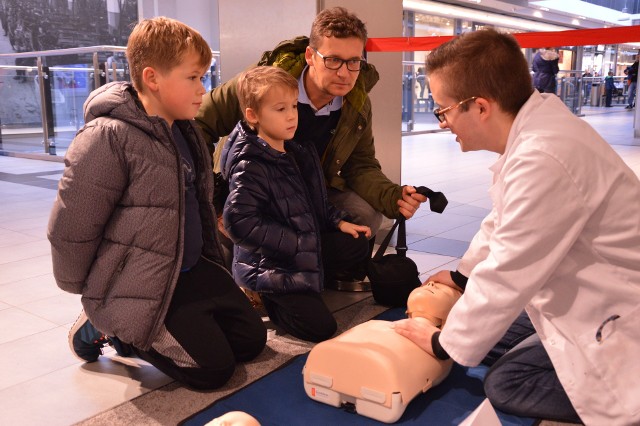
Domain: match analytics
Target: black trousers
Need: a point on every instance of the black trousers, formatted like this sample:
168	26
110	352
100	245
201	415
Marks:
305	315
214	325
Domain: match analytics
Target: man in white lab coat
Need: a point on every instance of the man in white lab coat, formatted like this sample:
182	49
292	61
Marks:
561	242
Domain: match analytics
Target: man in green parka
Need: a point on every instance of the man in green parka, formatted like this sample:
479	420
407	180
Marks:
334	115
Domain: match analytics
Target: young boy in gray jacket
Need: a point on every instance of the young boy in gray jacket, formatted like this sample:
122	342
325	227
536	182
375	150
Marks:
133	225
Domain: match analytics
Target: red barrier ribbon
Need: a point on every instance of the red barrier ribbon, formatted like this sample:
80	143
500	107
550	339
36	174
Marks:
583	37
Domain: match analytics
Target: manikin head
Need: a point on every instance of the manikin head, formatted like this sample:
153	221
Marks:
234	418
432	301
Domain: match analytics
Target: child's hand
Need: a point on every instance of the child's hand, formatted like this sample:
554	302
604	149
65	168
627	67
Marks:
353	229
221	227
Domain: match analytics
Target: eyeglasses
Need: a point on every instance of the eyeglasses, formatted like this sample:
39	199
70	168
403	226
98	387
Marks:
439	113
334	63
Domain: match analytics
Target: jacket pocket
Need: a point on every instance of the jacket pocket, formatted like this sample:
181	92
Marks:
612	352
111	284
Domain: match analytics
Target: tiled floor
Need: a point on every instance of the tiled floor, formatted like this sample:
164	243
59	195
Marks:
42	383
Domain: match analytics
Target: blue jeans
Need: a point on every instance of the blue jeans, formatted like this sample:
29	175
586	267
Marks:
632	92
517	332
523	381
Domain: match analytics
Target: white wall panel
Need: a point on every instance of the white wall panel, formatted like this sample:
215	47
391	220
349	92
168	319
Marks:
249	27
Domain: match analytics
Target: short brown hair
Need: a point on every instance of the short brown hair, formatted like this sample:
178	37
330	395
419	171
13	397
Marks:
336	22
254	84
161	43
486	64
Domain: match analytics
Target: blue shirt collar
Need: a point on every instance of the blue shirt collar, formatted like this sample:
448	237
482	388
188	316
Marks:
334	105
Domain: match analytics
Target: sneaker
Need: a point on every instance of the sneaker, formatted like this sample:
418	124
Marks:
86	342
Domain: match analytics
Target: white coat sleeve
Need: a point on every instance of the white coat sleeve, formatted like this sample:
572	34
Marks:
479	247
540	213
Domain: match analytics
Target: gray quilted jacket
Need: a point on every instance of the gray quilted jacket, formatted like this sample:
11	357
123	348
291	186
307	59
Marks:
116	228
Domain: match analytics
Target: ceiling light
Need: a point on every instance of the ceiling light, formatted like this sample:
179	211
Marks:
439	9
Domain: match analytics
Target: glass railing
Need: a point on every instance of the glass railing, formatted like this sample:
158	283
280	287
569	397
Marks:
417	103
42	94
594	92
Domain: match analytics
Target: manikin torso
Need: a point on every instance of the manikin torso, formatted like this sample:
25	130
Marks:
373	366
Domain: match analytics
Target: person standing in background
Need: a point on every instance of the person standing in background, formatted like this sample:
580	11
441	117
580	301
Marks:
545	68
632	76
609	87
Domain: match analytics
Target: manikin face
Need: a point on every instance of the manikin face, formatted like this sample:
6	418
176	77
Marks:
180	90
338	82
460	120
277	118
432	300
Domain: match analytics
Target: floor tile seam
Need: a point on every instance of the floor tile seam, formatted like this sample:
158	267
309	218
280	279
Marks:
430	271
416	232
32	174
42	183
45	256
22	307
42	217
29	278
435	236
42	375
45	330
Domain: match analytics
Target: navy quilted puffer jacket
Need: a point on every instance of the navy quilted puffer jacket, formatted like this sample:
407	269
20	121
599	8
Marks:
275	212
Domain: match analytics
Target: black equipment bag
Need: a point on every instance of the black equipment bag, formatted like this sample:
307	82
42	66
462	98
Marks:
394	276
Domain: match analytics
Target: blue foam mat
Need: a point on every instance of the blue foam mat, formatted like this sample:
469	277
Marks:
280	399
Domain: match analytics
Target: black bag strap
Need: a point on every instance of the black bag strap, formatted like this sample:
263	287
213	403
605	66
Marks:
401	245
437	203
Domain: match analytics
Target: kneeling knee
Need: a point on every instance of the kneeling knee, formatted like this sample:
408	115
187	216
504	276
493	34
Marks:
499	389
323	331
252	348
206	378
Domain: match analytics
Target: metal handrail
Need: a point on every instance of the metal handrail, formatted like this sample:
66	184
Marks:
33	67
72	51
59	52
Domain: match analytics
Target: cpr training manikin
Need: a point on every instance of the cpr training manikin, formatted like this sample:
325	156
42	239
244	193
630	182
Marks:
376	370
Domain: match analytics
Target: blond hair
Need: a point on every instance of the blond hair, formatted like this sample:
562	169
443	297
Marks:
161	43
254	83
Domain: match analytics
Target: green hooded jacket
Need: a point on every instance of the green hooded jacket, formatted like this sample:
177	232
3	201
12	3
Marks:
349	161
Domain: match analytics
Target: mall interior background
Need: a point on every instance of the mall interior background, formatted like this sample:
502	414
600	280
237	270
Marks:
401	99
